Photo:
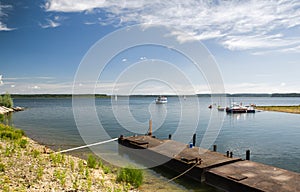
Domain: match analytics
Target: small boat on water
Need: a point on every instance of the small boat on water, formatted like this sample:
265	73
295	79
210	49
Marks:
239	108
161	100
221	108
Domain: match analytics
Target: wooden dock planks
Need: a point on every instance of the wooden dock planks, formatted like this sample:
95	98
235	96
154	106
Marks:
216	169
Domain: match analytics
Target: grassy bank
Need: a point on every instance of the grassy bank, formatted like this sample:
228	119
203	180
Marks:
286	109
27	166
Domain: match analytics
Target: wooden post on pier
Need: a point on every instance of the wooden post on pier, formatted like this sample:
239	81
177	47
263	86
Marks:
150	127
248	155
194	139
215	148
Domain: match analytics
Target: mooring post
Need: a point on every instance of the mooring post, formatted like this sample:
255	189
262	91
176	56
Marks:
194	139
227	153
215	148
231	154
248	154
170	136
150	127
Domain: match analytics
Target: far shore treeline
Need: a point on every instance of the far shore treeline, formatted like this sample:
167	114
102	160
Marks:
108	96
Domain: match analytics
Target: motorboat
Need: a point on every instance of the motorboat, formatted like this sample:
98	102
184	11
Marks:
161	100
239	108
221	108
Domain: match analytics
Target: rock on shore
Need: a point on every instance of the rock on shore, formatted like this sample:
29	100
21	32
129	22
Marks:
4	110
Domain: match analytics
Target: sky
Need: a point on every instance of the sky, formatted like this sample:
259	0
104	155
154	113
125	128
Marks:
255	44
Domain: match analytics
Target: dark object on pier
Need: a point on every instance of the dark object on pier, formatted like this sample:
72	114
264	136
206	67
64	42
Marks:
248	155
215	148
194	139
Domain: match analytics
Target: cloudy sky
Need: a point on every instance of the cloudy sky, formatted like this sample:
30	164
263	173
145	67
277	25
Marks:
255	43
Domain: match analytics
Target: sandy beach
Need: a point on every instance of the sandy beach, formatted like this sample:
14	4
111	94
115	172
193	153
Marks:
26	165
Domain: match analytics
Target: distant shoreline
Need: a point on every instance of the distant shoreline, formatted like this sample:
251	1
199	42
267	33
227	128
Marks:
199	95
286	109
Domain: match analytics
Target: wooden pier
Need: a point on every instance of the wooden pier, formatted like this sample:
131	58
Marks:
216	169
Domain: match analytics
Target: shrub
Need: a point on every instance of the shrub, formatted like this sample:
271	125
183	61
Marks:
60	176
72	164
106	169
6	100
7	132
131	175
57	158
91	162
40	173
2	167
35	153
23	143
80	167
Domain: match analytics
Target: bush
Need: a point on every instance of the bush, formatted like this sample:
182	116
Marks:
106	169
57	158
2	167
35	153
23	143
7	132
91	161
6	100
131	175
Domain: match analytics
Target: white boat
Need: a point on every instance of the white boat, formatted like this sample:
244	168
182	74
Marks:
161	100
239	108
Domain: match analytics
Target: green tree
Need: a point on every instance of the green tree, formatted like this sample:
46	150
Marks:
6	100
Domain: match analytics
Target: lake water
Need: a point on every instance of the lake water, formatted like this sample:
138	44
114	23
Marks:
272	137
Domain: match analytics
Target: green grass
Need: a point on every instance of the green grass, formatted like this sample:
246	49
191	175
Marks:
131	175
60	176
10	133
40	173
92	162
106	169
287	109
57	158
35	153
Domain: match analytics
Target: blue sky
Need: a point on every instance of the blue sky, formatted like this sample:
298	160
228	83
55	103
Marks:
256	44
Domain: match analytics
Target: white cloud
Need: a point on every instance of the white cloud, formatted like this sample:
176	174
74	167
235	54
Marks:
50	24
4	27
1	82
234	24
3	8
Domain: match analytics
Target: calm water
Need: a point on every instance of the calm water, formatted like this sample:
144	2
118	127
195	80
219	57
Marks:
272	137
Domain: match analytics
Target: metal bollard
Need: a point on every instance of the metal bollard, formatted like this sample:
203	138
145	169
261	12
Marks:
194	139
215	148
248	155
